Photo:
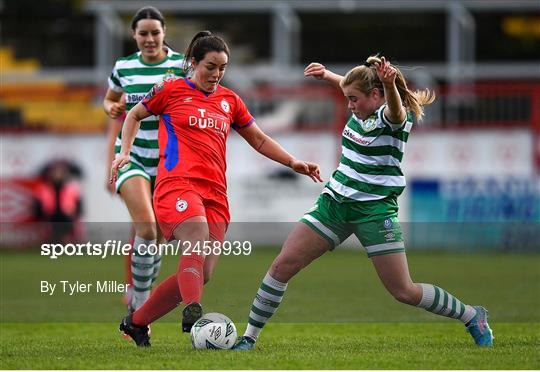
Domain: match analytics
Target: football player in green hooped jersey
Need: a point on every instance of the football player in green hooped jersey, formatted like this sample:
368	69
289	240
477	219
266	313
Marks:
132	77
361	199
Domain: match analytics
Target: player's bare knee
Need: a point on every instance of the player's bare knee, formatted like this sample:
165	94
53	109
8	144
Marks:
192	232
284	268
404	295
146	231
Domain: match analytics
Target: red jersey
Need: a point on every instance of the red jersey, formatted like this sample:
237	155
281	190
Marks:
193	130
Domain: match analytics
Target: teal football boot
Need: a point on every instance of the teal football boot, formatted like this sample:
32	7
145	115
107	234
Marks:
244	343
479	329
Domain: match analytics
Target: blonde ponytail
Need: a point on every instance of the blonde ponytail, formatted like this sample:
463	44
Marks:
364	78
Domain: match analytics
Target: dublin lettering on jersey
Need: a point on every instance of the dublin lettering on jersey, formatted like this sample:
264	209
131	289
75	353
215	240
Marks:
214	121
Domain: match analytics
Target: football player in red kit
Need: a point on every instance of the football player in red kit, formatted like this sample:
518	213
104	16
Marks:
190	196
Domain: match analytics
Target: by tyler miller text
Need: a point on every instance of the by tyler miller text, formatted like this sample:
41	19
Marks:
75	287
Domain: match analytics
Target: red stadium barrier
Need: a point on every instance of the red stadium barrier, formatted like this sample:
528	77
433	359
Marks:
491	104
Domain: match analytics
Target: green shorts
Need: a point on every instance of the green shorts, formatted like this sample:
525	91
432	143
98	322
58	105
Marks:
132	170
374	223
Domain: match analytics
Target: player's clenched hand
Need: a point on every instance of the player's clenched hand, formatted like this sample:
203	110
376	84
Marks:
316	70
309	169
117	109
120	161
385	71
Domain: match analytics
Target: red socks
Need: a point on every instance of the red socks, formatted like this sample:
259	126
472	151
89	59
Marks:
191	278
164	298
186	285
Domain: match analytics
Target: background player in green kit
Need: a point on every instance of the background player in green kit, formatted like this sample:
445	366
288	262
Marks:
361	199
132	77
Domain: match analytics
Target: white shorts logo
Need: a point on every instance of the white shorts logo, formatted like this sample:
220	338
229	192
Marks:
125	168
225	105
181	205
390	236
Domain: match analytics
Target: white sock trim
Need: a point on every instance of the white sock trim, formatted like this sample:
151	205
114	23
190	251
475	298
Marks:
470	312
428	295
274	283
138	241
143	266
252	332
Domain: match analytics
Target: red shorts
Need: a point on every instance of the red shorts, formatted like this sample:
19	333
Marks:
176	201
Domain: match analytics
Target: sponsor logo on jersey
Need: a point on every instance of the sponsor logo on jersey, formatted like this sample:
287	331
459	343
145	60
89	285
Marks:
364	141
181	205
135	97
388	224
210	120
225	105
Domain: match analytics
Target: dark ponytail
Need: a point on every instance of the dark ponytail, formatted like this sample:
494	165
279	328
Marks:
202	43
148	12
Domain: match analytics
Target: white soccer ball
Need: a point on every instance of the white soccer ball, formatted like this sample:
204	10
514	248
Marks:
213	331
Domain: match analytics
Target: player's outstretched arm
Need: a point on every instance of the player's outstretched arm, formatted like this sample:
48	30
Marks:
273	150
320	72
129	131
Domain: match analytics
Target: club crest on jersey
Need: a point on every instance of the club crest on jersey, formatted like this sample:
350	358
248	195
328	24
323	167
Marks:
225	105
169	74
369	124
181	205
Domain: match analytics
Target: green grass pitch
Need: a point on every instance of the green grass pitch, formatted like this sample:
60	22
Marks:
335	315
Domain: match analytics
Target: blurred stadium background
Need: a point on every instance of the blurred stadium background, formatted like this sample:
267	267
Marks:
475	158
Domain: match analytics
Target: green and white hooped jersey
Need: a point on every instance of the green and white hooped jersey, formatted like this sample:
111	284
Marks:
369	168
135	78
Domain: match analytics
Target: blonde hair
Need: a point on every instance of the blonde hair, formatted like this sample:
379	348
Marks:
365	79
